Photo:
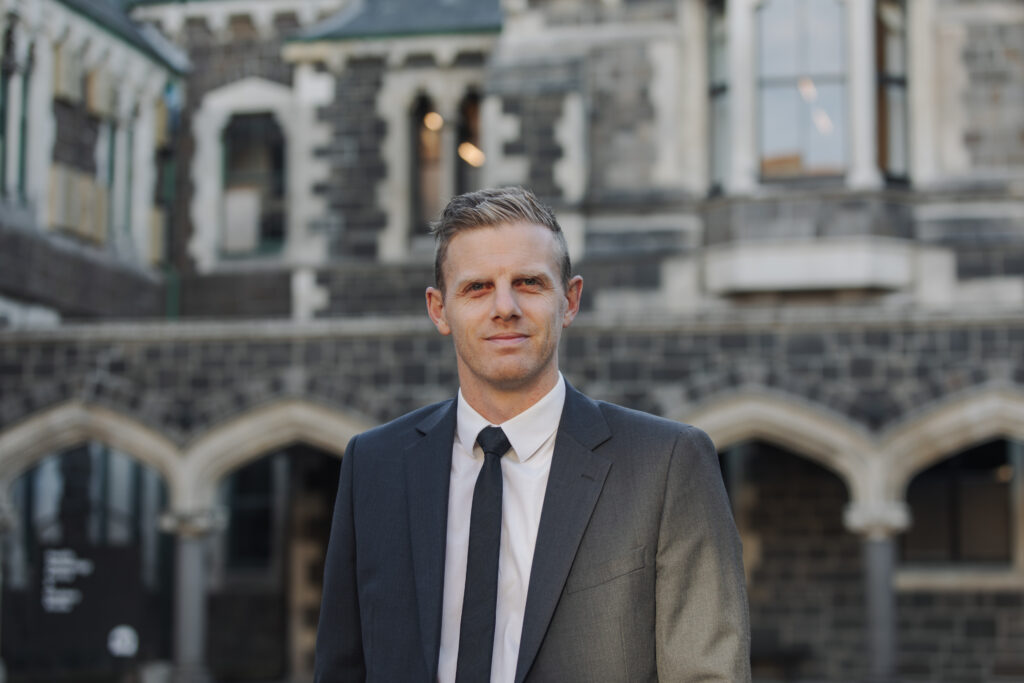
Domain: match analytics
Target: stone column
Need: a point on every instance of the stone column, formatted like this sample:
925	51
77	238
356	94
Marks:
742	177
878	522
863	91
192	529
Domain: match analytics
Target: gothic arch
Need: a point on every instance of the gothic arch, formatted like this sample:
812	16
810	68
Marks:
256	432
955	424
71	423
822	436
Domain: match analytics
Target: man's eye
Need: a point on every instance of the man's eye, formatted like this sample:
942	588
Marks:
531	281
475	287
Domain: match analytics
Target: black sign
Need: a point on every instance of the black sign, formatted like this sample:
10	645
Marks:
87	607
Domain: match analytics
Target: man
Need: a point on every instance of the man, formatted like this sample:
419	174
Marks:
580	542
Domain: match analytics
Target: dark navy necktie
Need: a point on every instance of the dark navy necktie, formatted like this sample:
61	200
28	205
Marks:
476	633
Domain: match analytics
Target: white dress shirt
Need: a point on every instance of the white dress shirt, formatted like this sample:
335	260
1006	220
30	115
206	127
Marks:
524	473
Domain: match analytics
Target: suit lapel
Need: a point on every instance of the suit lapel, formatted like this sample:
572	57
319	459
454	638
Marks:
428	467
574	485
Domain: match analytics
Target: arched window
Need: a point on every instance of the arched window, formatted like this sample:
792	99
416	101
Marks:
427	129
470	157
802	82
254	185
962	509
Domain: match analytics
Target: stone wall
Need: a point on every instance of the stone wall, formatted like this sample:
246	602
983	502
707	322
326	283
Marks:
76	280
994	93
249	294
873	370
961	636
356	159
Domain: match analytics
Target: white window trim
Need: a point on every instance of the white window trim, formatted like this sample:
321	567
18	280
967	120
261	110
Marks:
862	172
247	96
446	89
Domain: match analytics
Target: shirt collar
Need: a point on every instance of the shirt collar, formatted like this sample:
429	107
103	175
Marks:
527	431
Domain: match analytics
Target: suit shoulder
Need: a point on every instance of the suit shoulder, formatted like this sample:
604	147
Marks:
627	421
401	427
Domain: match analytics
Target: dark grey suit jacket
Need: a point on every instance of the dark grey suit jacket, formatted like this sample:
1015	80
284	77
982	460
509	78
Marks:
637	574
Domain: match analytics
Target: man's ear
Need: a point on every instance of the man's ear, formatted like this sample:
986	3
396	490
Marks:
435	309
572	297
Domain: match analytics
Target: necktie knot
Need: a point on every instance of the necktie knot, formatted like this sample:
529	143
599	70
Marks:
493	441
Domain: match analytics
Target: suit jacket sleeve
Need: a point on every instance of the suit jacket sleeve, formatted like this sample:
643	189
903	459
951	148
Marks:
702	627
339	641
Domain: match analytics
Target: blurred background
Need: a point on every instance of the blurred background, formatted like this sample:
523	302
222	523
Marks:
800	224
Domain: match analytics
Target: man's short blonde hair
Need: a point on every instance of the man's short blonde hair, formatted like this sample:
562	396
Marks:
489	208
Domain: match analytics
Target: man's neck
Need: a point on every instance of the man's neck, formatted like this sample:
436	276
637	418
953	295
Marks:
500	406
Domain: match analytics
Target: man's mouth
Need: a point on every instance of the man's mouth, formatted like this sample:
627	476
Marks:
507	338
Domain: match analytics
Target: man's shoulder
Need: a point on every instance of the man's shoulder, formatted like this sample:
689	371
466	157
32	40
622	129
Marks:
642	426
407	424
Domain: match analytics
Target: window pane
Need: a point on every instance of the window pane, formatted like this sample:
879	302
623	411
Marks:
961	509
781	153
895	108
823	33
825	119
250	508
928	538
719	138
254	185
427	125
778	38
984	520
891	35
718	45
469	156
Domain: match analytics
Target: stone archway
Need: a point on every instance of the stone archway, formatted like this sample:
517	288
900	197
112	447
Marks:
822	436
73	422
947	428
251	435
274	606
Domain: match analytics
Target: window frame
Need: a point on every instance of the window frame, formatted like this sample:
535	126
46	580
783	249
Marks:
975	577
271	194
761	83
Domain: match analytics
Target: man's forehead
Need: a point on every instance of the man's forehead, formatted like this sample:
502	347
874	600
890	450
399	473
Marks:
540	239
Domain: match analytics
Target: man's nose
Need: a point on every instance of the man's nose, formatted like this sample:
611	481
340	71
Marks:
506	305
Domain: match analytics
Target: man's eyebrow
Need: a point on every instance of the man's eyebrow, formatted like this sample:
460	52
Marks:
470	280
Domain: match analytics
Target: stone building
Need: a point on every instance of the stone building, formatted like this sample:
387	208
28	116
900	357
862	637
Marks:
800	225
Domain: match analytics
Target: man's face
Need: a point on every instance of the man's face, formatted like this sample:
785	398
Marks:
505	307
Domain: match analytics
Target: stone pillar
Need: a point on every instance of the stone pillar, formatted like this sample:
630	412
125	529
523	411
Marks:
742	177
878	522
192	530
863	90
